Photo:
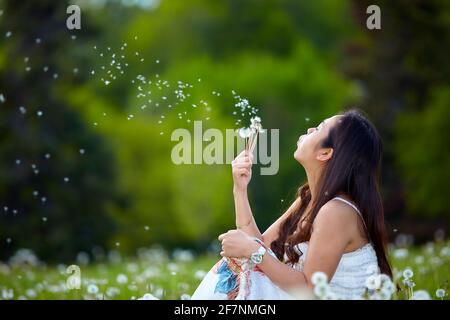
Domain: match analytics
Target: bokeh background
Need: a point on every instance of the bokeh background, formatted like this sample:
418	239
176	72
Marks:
85	169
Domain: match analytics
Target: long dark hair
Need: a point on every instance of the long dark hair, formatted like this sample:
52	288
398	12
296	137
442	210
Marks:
353	170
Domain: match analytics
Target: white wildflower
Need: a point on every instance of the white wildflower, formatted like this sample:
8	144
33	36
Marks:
373	282
148	296
92	289
421	295
319	278
440	293
408	273
122	279
320	290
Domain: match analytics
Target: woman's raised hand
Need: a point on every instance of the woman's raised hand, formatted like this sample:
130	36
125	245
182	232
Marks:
242	169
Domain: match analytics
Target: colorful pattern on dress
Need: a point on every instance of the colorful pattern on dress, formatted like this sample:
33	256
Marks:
234	276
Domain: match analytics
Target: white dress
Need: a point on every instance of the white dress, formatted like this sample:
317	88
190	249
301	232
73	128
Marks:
238	279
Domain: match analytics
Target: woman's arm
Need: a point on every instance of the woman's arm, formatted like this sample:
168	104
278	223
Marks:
244	216
242	173
328	241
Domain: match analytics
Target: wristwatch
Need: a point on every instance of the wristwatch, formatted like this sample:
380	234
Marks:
257	256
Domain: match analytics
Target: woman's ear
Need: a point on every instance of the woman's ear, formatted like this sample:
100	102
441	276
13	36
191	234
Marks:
325	154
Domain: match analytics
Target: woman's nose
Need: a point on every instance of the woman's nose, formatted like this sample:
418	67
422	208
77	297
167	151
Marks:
310	130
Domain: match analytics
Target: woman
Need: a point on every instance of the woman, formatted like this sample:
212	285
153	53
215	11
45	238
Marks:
335	225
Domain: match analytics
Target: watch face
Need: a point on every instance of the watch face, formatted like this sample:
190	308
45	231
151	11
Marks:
257	258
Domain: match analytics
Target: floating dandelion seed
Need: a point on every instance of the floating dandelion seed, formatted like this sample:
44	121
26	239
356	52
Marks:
35	193
2	98
45	68
18	161
66	179
44	219
38	40
44	199
22	110
157	61
73	37
146	228
55	76
107	82
307	119
8	34
8	240
117	244
39	113
47	156
82	151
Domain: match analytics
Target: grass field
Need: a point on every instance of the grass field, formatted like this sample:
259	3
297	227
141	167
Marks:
175	275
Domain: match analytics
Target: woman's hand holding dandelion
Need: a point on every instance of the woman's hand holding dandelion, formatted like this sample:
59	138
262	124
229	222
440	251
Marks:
242	164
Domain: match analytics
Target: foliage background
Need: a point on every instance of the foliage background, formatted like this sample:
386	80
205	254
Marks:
297	61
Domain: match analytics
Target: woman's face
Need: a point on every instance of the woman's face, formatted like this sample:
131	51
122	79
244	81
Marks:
309	150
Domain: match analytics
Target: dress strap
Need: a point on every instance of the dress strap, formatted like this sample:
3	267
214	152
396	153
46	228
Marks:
354	207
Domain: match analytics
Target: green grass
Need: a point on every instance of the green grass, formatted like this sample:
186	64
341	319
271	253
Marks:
155	271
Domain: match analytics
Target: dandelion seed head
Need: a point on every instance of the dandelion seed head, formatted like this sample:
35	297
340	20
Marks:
440	293
408	273
421	295
122	279
319	278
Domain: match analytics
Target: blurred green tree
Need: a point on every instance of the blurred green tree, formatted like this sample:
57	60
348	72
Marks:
400	68
57	178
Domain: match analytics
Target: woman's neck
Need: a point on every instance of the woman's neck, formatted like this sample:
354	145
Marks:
313	176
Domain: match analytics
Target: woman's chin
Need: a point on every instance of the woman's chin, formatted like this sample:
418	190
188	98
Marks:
297	156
